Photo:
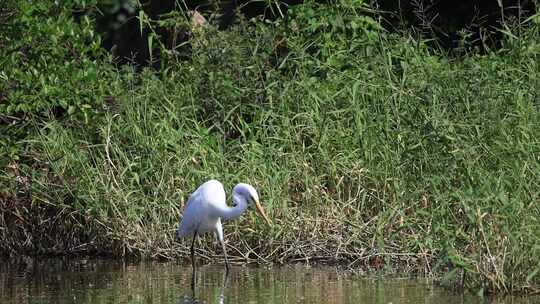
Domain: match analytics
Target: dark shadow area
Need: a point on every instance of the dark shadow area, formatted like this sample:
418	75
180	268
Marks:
455	26
128	41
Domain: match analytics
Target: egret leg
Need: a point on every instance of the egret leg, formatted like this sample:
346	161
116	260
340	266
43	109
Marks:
227	266
219	233
193	261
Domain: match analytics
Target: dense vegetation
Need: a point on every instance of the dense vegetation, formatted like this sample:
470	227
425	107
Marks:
368	148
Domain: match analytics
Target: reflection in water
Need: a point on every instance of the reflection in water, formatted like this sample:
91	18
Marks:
55	281
221	298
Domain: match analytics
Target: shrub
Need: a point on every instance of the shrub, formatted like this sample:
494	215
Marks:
51	63
51	66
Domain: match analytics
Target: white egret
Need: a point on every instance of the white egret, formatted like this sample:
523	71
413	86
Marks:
207	207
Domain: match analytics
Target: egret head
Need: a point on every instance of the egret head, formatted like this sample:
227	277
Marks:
252	197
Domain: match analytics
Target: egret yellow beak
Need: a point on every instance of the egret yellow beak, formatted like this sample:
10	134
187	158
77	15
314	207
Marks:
262	213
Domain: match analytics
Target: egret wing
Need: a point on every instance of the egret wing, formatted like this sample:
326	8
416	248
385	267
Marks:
200	209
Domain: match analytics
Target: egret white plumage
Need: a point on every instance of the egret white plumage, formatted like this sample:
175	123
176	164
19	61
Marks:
207	207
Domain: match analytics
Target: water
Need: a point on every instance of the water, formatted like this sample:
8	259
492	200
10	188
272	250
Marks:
55	281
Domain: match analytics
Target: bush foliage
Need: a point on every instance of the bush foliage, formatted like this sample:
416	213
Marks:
51	62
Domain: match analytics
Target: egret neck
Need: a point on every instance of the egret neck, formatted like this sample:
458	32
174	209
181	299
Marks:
230	213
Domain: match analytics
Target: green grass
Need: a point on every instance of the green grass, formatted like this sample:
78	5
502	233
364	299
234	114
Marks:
368	149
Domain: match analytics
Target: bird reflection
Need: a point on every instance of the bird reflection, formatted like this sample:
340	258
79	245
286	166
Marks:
192	298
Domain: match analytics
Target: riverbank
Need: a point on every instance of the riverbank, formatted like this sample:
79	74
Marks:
368	149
